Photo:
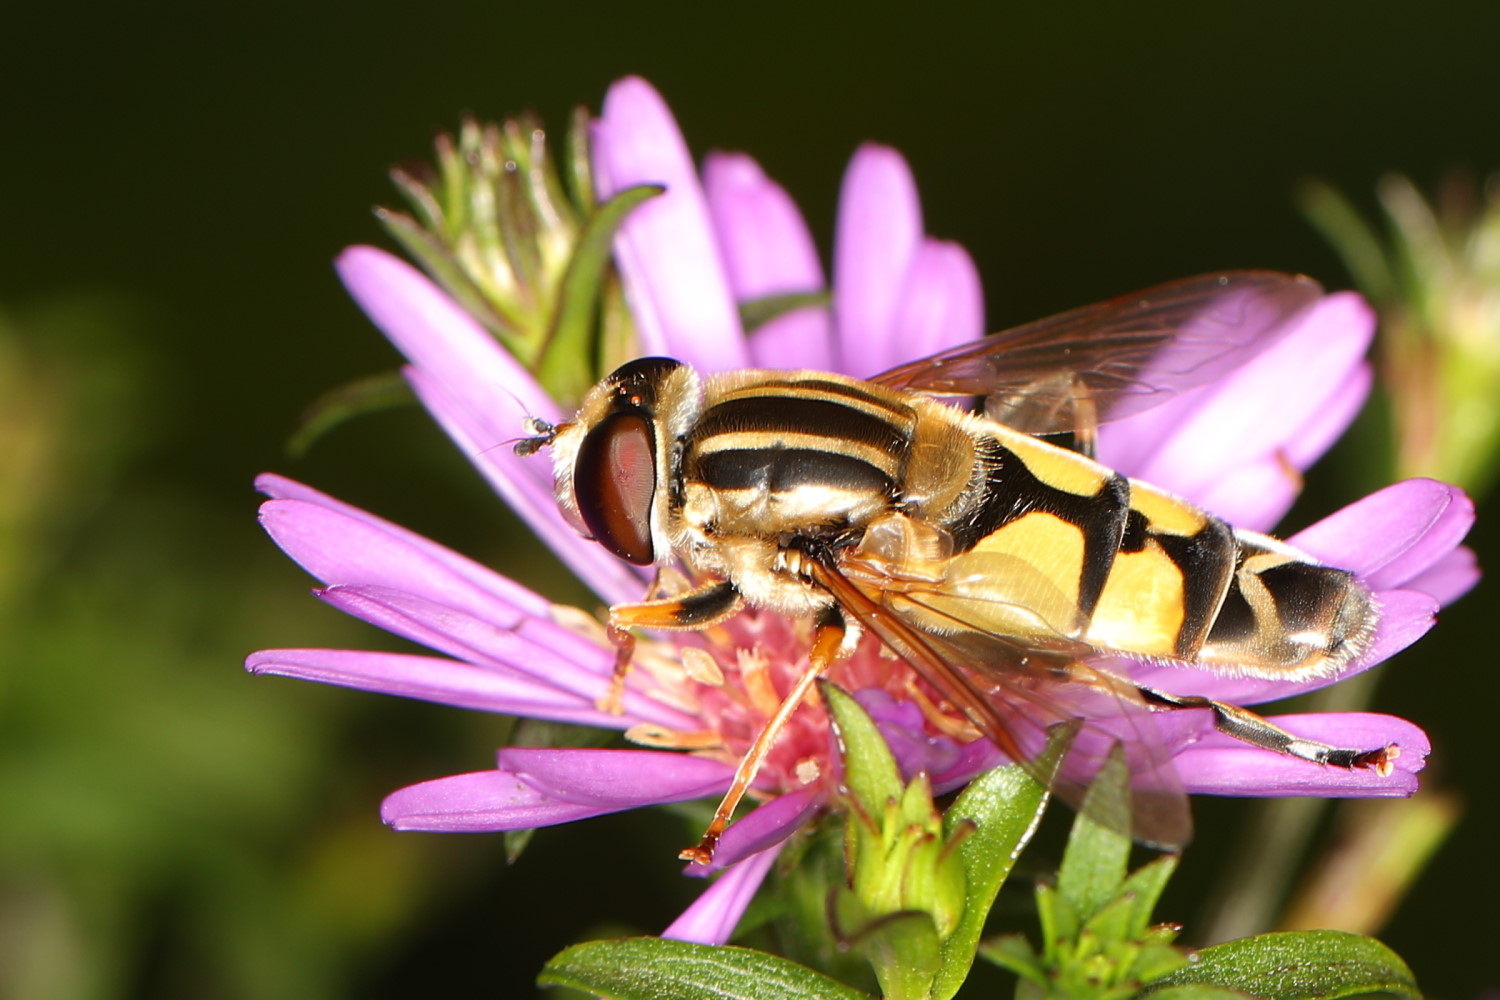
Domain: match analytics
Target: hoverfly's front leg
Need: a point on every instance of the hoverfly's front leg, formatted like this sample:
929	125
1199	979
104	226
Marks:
827	646
697	609
1244	725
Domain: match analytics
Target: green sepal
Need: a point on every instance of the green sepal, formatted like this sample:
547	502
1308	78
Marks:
1003	808
1339	221
1296	965
1097	855
1146	885
758	312
568	341
648	968
576	162
436	259
870	772
903	948
370	394
1014	952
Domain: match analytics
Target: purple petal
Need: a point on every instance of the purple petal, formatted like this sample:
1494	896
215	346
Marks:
479	802
502	589
1254	495
678	291
513	477
712	918
974	758
340	547
486	801
617	779
768	251
429	678
480	395
1222	765
1405	616
1392	535
942	304
878	235
438	337
905	731
1449	578
465	637
1330	421
1262	410
767	826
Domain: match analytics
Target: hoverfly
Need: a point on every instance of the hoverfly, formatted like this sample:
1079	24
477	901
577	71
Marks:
1003	569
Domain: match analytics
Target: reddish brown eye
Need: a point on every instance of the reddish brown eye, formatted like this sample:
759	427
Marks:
614	482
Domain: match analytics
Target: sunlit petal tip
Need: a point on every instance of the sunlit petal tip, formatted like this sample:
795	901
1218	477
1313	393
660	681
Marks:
942	305
878	234
666	249
712	918
768	249
1281	410
1394	534
477	802
1449	578
618	779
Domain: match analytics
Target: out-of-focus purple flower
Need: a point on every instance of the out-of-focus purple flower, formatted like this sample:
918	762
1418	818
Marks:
689	259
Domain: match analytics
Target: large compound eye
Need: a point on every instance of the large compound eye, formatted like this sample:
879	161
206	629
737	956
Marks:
614	482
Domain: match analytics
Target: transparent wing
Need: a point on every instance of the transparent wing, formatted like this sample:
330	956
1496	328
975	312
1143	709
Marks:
1019	696
1109	360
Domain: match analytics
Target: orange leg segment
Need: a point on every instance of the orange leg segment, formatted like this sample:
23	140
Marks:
827	642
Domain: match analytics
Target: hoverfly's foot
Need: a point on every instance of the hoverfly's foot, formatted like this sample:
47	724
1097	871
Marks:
1380	761
704	852
613	700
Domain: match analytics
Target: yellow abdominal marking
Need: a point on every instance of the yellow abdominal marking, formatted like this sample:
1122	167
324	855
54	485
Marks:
1141	608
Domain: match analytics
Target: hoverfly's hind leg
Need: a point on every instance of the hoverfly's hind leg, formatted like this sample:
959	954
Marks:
697	609
827	647
1246	726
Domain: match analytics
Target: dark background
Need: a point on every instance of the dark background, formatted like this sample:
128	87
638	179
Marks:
175	181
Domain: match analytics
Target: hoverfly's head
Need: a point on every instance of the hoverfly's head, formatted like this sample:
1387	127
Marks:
614	465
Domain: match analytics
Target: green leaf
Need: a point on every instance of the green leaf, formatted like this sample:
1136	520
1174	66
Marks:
1198	991
870	772
371	394
1297	965
758	312
649	968
904	950
563	367
1094	864
1146	884
1005	806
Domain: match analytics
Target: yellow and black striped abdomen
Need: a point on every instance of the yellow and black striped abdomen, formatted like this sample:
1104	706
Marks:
1057	545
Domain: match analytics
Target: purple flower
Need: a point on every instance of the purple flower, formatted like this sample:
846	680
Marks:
688	258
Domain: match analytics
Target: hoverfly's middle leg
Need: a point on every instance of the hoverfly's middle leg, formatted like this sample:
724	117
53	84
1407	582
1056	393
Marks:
827	647
697	609
1246	726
